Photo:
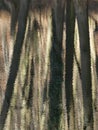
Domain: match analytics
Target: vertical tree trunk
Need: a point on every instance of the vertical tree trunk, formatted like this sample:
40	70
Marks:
82	18
15	61
56	67
70	25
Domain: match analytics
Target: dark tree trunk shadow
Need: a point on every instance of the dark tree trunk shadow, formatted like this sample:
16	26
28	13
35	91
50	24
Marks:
56	78
30	96
15	62
70	52
97	66
82	19
96	45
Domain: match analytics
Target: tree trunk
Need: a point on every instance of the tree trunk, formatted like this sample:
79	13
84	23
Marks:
82	18
70	25
15	61
56	67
